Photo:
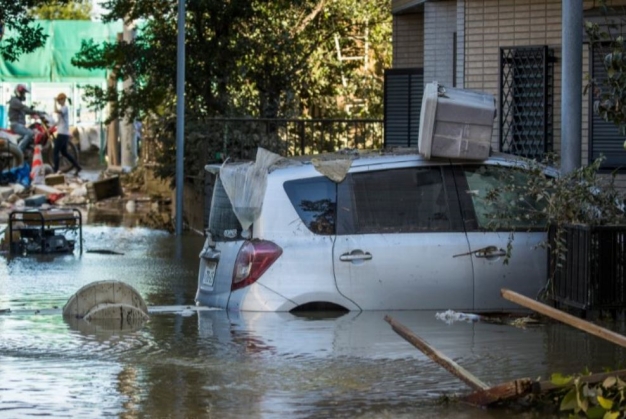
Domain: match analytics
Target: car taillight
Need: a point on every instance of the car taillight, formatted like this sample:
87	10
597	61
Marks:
254	258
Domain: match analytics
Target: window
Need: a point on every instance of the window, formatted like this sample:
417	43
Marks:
395	201
315	201
526	101
223	223
403	93
604	136
497	197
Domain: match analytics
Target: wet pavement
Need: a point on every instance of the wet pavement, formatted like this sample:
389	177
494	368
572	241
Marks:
217	364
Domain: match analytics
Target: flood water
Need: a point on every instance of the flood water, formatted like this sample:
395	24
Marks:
217	364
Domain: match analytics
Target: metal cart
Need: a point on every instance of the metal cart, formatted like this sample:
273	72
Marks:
44	231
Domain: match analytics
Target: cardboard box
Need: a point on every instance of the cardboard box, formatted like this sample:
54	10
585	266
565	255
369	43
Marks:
52	180
103	189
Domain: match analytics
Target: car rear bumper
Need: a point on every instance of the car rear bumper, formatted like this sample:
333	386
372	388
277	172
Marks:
255	297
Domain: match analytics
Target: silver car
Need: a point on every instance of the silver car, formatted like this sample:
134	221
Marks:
365	231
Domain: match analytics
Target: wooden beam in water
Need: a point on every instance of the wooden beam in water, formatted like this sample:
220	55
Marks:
561	316
451	366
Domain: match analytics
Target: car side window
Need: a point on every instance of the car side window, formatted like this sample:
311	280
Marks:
494	191
398	201
315	201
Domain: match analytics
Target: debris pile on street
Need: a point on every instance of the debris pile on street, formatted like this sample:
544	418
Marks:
113	190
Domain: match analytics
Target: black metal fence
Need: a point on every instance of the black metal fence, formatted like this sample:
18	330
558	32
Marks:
591	275
240	137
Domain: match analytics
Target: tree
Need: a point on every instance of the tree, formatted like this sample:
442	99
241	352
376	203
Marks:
244	58
252	58
22	35
63	10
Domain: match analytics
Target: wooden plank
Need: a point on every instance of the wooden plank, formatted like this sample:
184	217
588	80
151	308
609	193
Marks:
502	392
451	366
561	316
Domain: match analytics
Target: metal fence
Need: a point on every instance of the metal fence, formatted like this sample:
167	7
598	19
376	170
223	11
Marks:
240	137
592	273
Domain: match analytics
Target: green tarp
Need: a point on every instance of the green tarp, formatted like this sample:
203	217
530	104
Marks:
52	63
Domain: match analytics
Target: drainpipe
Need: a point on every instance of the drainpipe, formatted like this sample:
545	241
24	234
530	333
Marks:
572	85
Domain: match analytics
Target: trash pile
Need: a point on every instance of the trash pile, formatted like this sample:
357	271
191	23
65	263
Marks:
114	191
56	189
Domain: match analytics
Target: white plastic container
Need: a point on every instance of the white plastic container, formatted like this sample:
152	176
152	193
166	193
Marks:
456	123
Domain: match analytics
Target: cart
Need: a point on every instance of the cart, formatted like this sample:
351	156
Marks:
44	231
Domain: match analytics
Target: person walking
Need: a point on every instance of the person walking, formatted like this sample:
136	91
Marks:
17	116
63	135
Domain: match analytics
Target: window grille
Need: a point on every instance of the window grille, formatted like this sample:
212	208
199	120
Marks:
526	101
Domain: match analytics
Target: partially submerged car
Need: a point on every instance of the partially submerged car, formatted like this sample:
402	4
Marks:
386	230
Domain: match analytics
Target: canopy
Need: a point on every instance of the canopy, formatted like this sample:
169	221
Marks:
52	63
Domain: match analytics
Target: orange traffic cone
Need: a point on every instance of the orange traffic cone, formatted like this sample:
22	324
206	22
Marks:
37	172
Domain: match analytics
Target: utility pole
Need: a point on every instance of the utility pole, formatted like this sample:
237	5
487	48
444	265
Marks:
572	82
180	116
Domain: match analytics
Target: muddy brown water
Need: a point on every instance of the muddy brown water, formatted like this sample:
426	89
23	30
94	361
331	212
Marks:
218	364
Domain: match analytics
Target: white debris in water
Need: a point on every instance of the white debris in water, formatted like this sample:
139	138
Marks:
451	316
187	313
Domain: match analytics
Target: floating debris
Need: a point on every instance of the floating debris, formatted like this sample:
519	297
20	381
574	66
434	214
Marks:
104	251
451	316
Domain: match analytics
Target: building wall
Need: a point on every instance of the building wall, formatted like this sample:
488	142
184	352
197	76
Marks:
408	41
440	24
460	30
491	24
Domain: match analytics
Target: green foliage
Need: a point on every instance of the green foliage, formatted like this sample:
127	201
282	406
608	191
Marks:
25	36
583	196
604	400
249	58
244	58
610	93
63	10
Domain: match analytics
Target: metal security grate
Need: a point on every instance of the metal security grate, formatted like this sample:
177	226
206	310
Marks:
592	276
526	101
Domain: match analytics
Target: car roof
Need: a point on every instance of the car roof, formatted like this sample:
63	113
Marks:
361	158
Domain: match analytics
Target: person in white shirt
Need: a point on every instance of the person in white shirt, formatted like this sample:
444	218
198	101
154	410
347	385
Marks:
63	134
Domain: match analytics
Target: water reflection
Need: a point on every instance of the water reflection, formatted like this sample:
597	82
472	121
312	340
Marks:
232	365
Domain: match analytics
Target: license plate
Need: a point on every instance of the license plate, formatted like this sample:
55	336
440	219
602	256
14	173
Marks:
209	274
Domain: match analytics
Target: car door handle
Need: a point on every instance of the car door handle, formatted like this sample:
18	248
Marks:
489	252
355	255
485	252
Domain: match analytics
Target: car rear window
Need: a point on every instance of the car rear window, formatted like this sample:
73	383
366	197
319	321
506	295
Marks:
223	223
315	201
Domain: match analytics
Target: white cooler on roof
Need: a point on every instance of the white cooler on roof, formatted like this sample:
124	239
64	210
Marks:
456	123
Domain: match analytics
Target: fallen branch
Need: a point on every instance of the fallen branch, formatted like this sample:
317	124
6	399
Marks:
502	392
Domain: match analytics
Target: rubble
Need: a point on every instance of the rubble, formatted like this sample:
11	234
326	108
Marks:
106	190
